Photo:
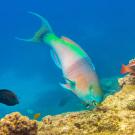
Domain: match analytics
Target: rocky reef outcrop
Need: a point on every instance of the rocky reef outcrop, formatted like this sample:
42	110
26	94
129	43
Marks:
128	79
115	116
16	124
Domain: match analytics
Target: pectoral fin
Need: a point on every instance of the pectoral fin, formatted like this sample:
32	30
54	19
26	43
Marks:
66	86
70	85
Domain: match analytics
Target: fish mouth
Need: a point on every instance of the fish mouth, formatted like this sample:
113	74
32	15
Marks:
92	104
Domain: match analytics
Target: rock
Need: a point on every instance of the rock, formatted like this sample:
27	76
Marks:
16	124
129	79
115	116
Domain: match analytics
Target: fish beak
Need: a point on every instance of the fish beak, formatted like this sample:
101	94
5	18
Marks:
96	104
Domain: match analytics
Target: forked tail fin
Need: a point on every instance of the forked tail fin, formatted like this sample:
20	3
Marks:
125	69
42	32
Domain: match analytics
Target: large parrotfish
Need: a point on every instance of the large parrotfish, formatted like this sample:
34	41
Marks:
78	70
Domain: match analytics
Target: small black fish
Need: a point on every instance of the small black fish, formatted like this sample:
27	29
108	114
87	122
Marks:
7	97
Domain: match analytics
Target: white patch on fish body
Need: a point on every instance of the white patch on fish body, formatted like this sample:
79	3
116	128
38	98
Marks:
76	68
79	69
66	55
82	73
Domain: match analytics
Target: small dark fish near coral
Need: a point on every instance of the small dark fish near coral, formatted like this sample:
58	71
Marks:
130	68
7	97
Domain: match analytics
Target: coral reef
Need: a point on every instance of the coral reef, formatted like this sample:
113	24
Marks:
115	116
16	124
129	79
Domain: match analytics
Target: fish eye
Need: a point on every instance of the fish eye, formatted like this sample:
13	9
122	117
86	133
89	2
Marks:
94	103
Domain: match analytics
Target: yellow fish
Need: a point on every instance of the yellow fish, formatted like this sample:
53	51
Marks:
37	115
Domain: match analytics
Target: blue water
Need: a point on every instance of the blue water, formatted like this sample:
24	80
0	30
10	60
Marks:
105	30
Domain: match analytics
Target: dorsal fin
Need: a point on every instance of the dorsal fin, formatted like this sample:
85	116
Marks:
69	40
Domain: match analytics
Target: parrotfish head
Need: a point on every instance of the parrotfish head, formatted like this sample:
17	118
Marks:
93	98
96	96
93	102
